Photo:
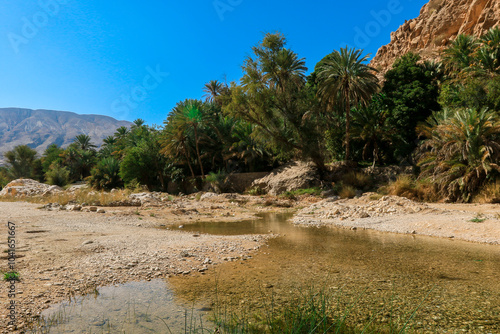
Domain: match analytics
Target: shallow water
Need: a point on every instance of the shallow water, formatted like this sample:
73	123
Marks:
453	286
135	307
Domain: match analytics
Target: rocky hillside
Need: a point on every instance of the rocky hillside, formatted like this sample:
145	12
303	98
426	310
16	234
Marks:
439	22
40	128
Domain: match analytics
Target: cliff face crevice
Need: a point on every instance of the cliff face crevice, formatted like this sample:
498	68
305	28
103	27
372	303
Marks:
439	23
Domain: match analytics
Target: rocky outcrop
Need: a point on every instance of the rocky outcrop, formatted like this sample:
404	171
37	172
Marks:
28	187
439	22
291	176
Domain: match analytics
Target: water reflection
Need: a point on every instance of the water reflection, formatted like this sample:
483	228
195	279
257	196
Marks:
135	307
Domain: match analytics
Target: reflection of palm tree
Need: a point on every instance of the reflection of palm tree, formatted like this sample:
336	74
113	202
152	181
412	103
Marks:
345	80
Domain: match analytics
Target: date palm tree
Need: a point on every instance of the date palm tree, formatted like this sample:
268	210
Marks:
345	80
213	89
462	149
488	54
83	142
21	160
460	54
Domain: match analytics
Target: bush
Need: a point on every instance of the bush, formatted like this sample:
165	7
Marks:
218	181
357	180
461	152
347	191
57	175
490	193
256	191
3	180
404	186
105	175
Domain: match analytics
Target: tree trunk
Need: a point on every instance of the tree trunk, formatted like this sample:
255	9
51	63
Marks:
198	152
347	125
186	153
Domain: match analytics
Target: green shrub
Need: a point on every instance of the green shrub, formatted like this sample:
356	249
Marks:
11	276
316	191
57	175
218	181
105	175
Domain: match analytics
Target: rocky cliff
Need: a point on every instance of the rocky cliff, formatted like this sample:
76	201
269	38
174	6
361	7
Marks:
40	128
439	22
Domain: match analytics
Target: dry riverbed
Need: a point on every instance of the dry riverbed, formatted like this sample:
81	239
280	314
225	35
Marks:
63	253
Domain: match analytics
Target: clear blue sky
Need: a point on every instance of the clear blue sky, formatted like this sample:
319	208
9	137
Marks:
135	59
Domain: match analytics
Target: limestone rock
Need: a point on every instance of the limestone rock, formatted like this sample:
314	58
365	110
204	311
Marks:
439	22
28	187
291	176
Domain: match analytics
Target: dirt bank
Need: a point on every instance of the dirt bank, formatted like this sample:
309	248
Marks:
470	222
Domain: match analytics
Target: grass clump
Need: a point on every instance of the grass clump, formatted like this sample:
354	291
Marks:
479	218
293	194
358	180
82	196
256	191
308	311
407	186
347	191
11	276
490	193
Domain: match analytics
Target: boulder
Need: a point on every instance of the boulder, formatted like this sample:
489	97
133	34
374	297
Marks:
291	176
28	187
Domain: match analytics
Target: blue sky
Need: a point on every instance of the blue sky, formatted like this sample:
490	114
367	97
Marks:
135	59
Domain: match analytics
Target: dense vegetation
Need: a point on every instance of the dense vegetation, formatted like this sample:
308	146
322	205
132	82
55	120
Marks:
443	117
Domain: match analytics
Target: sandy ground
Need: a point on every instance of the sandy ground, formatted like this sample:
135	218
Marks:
66	253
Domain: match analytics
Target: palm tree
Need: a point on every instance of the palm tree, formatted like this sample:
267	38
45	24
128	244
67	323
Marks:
21	160
82	141
192	116
461	150
139	122
370	126
460	54
489	53
184	117
213	89
121	132
345	80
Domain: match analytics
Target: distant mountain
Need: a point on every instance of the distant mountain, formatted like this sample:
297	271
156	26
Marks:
40	128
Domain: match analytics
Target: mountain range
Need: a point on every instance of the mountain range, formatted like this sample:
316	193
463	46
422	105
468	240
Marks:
40	128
